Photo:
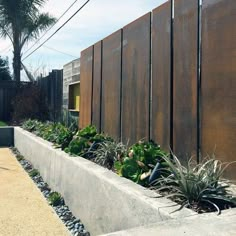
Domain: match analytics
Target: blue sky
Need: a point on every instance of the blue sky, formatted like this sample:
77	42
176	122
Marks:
97	20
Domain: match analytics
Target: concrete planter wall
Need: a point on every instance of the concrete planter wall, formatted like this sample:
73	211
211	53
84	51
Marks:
104	201
198	225
6	136
110	205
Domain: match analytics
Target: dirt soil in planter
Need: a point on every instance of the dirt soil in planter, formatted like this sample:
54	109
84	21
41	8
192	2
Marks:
200	208
24	211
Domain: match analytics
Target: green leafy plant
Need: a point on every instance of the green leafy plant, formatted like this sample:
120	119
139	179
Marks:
199	187
88	132
2	123
55	198
43	129
64	136
53	132
108	152
141	160
33	173
30	125
78	146
85	142
58	134
20	157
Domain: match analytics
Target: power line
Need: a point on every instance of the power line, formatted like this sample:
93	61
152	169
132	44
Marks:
57	30
53	49
8	47
52	26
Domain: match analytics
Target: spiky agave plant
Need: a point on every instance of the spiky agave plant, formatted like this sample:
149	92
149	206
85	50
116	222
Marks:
108	152
199	187
30	125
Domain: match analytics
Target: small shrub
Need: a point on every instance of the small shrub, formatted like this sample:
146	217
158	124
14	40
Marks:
33	173
54	198
199	187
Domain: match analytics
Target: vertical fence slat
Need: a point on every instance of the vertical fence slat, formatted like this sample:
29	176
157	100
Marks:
126	80
1	103
219	81
136	79
7	93
51	88
86	87
97	67
111	85
185	78
161	75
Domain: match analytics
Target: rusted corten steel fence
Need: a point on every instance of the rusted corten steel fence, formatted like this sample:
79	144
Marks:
167	77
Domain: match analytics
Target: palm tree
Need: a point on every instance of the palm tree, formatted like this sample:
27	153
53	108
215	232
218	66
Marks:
21	21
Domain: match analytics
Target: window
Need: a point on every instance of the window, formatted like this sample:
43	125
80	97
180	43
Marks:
74	96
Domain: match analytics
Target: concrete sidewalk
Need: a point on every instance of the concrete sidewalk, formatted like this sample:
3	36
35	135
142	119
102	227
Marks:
23	209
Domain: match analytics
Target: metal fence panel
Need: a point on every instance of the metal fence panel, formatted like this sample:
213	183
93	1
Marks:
161	75
219	80
136	80
185	80
86	87
97	67
111	85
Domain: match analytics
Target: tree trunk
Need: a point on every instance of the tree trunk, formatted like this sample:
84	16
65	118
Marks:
17	63
16	53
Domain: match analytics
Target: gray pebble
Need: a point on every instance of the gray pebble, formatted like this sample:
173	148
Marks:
74	225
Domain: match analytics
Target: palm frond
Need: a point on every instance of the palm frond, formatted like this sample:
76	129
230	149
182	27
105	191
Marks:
34	28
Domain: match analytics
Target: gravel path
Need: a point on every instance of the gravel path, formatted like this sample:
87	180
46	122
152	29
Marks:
73	224
23	209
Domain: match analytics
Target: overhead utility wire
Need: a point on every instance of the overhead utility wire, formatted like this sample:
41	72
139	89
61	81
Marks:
52	26
45	31
56	50
57	30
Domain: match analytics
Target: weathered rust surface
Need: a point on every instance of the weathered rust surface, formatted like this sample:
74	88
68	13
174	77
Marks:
161	75
219	81
97	67
136	80
185	78
111	85
86	84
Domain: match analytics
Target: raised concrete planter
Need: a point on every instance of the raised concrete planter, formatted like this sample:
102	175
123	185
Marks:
198	225
104	201
6	136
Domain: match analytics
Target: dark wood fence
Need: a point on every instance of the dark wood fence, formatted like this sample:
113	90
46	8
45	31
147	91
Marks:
170	79
8	90
51	86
